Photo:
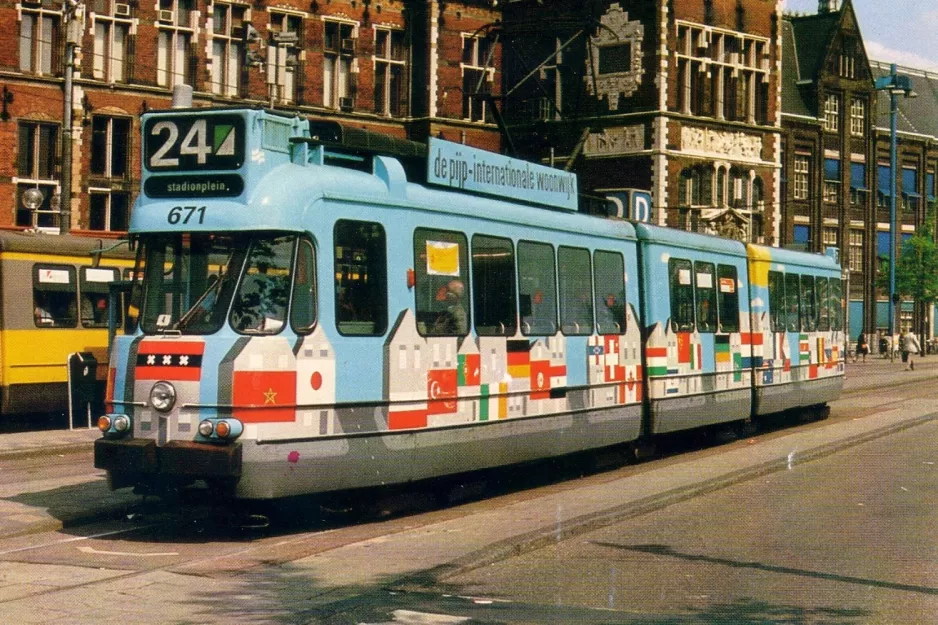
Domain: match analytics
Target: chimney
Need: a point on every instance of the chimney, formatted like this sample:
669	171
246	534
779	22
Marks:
827	6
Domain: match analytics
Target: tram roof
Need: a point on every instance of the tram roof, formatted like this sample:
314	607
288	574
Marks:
791	257
44	243
690	240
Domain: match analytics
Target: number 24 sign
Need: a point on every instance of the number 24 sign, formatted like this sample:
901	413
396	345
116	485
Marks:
194	142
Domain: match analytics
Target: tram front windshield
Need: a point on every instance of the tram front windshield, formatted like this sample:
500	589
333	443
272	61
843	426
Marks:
192	283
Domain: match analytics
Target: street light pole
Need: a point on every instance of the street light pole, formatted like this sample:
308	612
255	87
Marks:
896	85
71	16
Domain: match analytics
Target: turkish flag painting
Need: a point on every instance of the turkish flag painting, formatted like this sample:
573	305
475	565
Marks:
441	391
264	396
170	360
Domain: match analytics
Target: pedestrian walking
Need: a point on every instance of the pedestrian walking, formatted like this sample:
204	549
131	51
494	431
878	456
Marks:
910	347
862	348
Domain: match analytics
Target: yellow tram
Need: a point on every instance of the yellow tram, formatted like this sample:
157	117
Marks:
54	298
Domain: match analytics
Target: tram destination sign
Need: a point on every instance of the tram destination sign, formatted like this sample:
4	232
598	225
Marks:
194	186
193	142
470	169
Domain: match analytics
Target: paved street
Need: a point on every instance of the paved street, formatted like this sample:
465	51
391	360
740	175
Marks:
825	522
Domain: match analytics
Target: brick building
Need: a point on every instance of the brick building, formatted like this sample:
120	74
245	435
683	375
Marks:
836	155
409	68
678	99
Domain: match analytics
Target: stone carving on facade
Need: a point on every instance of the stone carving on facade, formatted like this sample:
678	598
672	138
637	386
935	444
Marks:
736	146
615	141
616	30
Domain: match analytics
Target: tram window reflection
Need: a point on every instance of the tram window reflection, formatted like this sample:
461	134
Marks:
705	296
361	294
609	270
260	305
493	283
441	293
94	291
682	295
728	296
55	296
303	311
537	288
576	291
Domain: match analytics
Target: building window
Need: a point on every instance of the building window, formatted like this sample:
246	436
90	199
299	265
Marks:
800	179
830	236
390	66
831	180
477	77
282	57
39	41
855	261
109	210
227	48
110	44
858	117
858	189
36	159
338	61
832	113
802	236
110	146
910	194
172	50
848	56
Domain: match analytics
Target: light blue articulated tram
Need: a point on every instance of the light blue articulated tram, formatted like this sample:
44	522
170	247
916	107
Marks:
317	308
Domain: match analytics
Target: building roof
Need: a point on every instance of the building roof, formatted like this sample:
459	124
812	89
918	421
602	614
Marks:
813	34
917	115
794	101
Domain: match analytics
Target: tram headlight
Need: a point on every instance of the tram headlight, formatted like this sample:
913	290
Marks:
206	428
121	423
163	396
104	423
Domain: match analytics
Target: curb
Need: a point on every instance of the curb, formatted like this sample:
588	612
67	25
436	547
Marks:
576	526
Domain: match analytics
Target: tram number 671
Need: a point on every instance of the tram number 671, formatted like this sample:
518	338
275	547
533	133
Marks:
184	214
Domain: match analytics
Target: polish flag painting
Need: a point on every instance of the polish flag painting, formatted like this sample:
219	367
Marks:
170	360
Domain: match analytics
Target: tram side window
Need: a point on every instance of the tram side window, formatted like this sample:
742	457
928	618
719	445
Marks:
260	304
609	277
682	295
792	291
729	298
303	307
55	296
777	314
493	286
537	289
823	304
441	291
705	296
576	291
837	305
94	286
361	292
808	304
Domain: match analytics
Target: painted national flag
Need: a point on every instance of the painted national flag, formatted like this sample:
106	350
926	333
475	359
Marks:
402	418
519	358
721	349
768	374
611	347
441	391
737	367
804	348
657	360
595	349
264	396
170	360
540	379
812	372
469	368
684	349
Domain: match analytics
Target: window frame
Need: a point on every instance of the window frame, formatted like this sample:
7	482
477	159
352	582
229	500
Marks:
481	290
302	330
563	303
710	300
727	300
71	288
421	273
553	321
599	288
677	296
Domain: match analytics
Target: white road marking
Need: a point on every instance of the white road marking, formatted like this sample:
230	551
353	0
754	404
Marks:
126	553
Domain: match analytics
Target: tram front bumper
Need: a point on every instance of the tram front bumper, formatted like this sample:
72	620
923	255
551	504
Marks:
184	459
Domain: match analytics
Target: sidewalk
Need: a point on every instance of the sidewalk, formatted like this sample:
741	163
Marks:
48	505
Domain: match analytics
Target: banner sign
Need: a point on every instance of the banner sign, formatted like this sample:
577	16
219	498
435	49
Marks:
470	169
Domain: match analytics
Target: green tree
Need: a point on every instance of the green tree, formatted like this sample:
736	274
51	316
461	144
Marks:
917	269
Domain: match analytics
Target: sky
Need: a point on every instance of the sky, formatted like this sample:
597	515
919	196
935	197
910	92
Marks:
895	31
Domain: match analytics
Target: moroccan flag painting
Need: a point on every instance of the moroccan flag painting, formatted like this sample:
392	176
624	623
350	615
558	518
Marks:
169	360
264	396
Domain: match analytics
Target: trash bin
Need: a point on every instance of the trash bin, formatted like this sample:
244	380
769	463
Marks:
883	346
82	369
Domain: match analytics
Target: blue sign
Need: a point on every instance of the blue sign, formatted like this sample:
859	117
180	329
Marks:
470	169
630	204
